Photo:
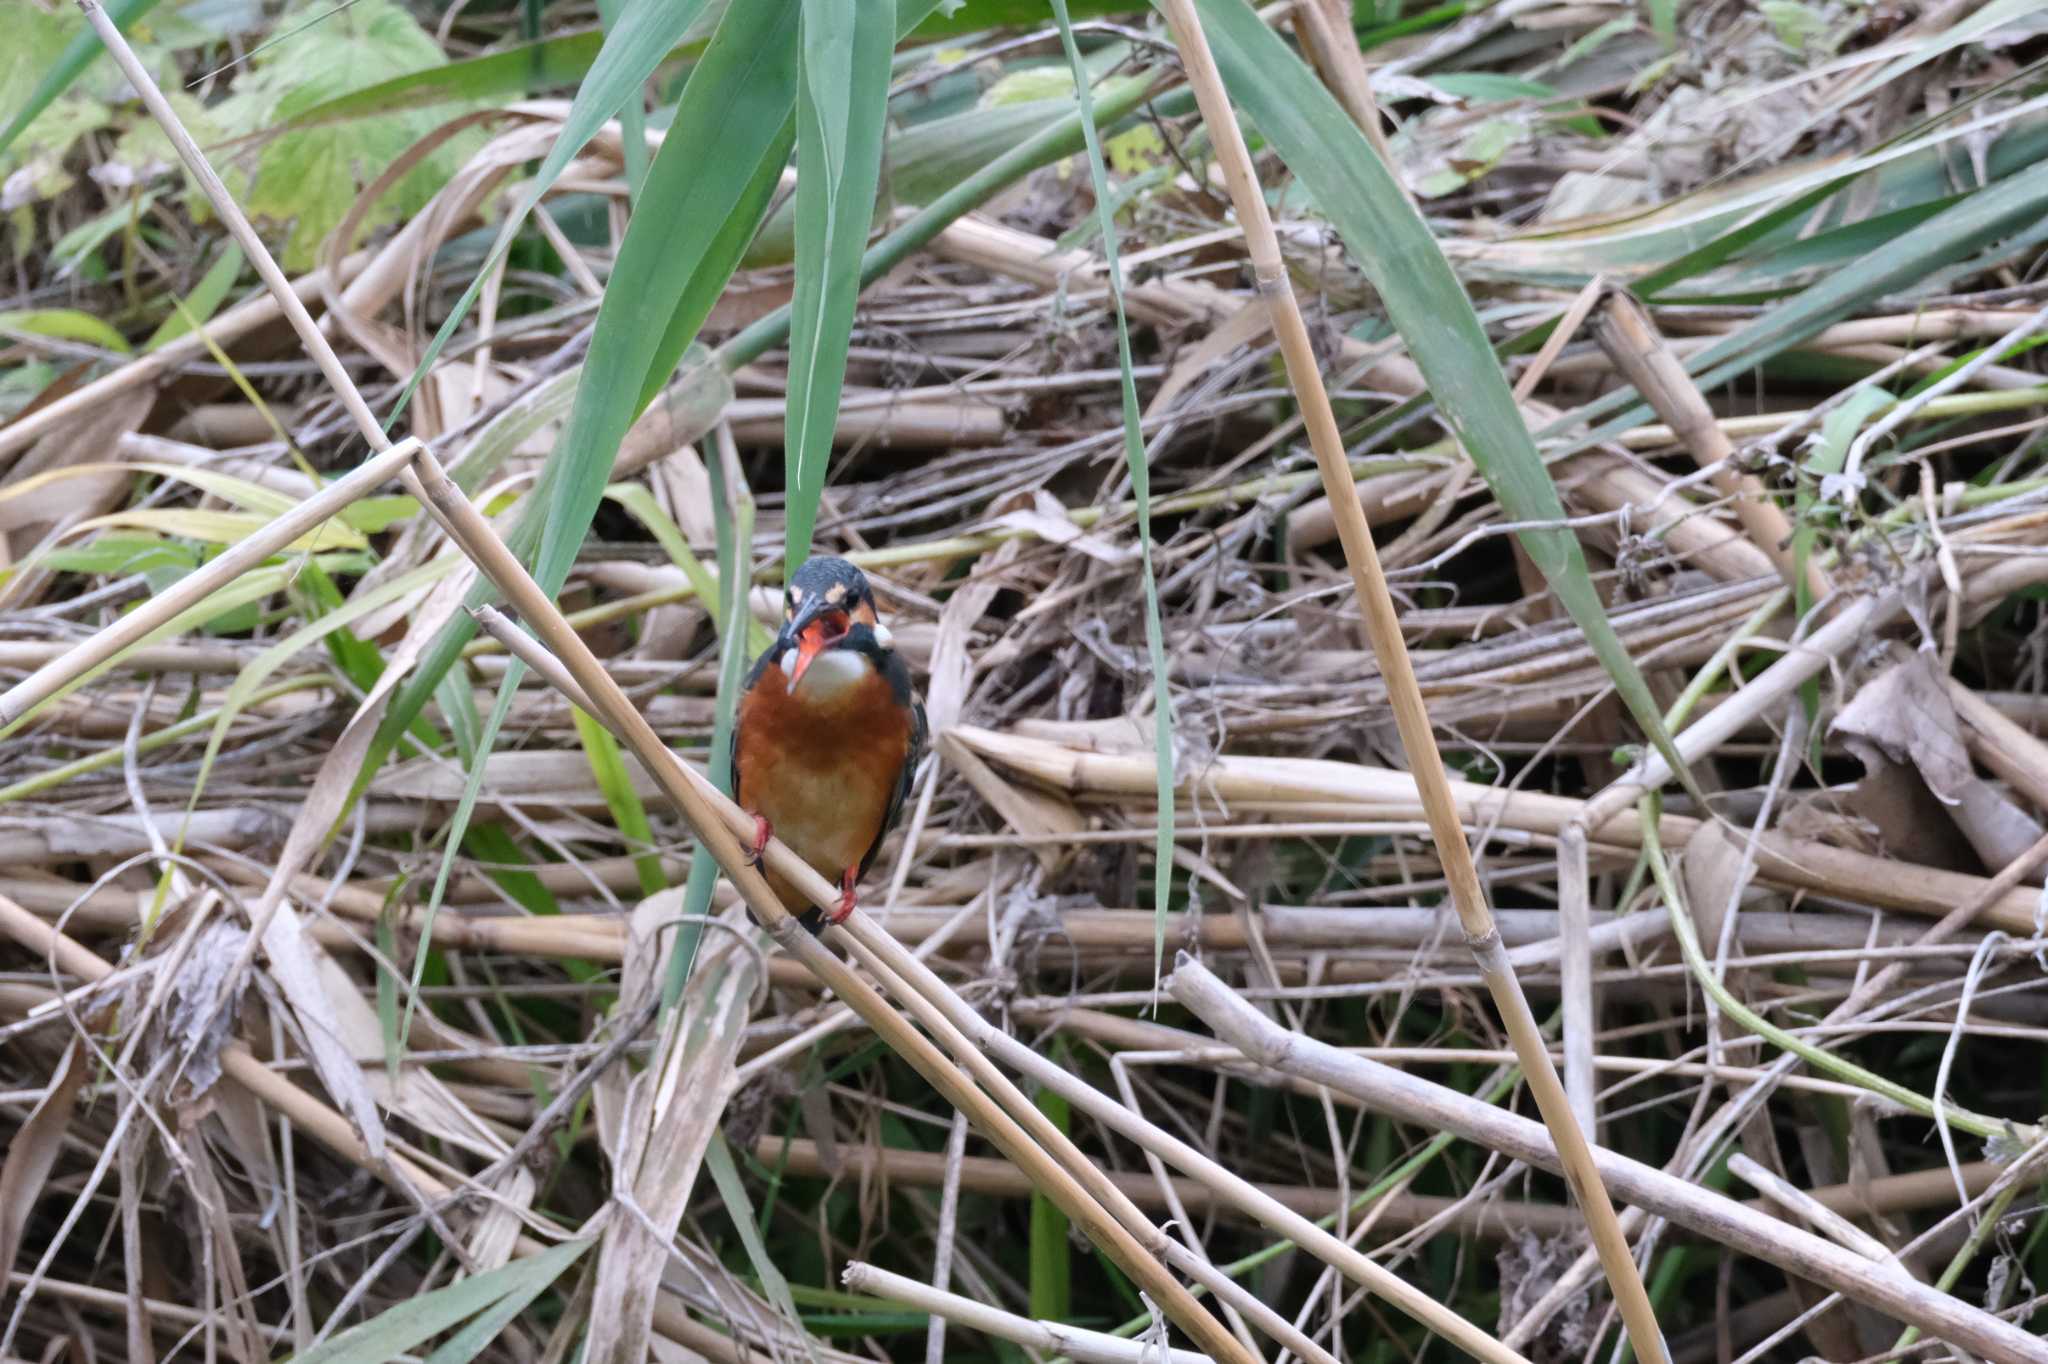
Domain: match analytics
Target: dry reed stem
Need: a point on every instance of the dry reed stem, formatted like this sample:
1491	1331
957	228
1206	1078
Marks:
447	504
1630	339
1794	1199
1435	1107
1041	1337
1411	717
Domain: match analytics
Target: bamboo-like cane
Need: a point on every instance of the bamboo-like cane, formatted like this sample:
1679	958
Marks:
1383	627
447	504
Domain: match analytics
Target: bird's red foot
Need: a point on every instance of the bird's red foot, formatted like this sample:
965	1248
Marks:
763	831
847	900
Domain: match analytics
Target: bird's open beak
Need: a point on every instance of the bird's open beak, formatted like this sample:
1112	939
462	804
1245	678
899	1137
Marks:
814	629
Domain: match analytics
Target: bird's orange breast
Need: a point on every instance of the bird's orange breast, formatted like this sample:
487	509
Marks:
822	773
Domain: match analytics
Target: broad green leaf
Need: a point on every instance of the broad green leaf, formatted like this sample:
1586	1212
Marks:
64	324
842	108
1428	306
1137	458
412	1323
311	177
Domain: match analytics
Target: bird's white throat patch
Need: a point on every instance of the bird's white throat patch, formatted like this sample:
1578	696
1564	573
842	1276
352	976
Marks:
830	675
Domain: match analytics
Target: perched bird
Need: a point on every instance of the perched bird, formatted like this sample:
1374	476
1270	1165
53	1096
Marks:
828	731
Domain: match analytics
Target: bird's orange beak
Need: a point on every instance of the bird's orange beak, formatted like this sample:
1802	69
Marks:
813	639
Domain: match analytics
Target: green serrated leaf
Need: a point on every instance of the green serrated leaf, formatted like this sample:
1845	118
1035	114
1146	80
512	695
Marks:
312	176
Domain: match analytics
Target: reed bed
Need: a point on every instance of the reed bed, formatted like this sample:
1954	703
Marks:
1476	574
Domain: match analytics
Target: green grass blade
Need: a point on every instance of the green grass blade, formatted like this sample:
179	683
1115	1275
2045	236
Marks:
2008	206
1428	306
842	109
629	813
413	1323
1051	1254
663	284
632	116
1141	493
205	300
734	511
740	1208
647	30
77	55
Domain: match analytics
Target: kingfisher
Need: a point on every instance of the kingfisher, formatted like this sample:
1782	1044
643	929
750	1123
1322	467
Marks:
828	732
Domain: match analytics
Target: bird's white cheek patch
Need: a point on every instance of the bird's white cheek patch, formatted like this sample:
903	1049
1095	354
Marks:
883	637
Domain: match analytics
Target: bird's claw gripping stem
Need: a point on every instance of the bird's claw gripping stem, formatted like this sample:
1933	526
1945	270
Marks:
847	900
763	831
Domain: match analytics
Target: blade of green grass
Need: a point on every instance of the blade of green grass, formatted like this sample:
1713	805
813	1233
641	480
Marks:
412	1323
662	286
842	108
2006	206
1136	458
1428	306
1051	1254
203	302
733	1193
733	509
629	813
632	116
65	324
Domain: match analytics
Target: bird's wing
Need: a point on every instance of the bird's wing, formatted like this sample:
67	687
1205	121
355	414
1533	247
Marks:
913	754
